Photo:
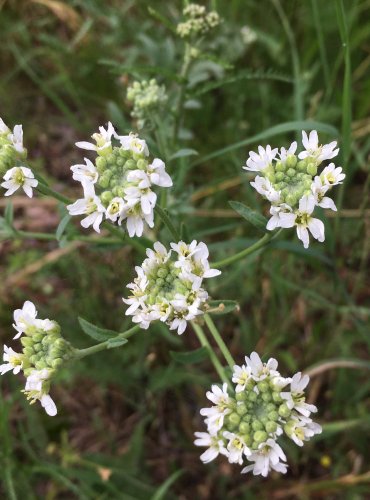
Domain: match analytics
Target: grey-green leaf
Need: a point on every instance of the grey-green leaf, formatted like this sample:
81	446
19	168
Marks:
256	219
95	332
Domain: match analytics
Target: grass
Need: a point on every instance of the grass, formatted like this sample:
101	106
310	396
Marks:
127	416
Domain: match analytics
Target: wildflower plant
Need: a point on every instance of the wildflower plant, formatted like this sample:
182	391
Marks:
127	192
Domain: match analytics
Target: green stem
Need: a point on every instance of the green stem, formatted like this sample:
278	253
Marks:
247	251
211	353
42	188
167	221
81	353
219	341
180	103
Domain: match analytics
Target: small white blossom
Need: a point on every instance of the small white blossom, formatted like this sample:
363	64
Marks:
115	208
318	152
17	139
158	175
85	173
215	446
134	216
264	187
269	456
277	218
302	429
36	388
319	191
332	175
90	206
103	139
259	162
24	318
4	129
295	397
19	177
236	448
304	221
284	153
13	361
241	376
259	370
132	143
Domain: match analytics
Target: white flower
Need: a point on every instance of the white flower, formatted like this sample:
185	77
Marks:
332	175
135	218
4	129
18	177
302	429
258	369
17	139
284	153
236	448
24	318
146	197
37	389
295	397
140	178
85	173
304	222
262	160
316	151
114	208
219	397
13	361
159	255
267	458
278	217
214	444
264	187
132	143
103	139
91	206
319	190
158	175
241	376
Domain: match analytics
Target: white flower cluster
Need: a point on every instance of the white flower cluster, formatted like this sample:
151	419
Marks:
12	153
118	185
198	21
44	351
246	424
293	185
169	289
147	98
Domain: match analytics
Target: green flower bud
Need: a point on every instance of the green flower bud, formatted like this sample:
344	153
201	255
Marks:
56	363
40	365
312	169
142	164
291	199
234	419
271	426
302	166
130	164
252	396
247	438
276	397
106	197
160	282
291	161
244	428
266	396
28	351
241	409
247	418
37	347
284	410
26	341
263	386
273	415
280	176
101	164
257	425
240	396
260	436
291	172
279	167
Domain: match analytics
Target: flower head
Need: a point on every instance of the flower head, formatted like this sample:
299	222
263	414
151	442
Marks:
168	286
19	177
245	425
315	151
261	161
102	140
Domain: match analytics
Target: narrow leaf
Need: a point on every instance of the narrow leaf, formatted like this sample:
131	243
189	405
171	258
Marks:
222	306
8	213
62	226
184	152
162	491
116	342
191	356
95	332
256	219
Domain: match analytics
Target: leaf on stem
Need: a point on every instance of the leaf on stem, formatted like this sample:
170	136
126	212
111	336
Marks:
97	333
181	153
256	219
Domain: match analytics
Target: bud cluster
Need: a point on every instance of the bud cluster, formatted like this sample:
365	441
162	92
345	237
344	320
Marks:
147	98
246	424
168	285
44	352
118	185
197	21
294	186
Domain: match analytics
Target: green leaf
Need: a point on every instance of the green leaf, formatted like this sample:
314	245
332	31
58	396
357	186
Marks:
95	332
8	213
184	152
62	226
161	492
166	22
256	219
271	132
112	343
191	356
222	306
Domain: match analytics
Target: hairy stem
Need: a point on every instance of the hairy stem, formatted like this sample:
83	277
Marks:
219	341
82	353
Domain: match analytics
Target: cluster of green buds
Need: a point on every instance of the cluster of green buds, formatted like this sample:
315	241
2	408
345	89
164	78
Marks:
247	423
148	98
198	21
44	352
11	147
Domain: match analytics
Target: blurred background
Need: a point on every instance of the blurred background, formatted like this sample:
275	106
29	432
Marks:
127	416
